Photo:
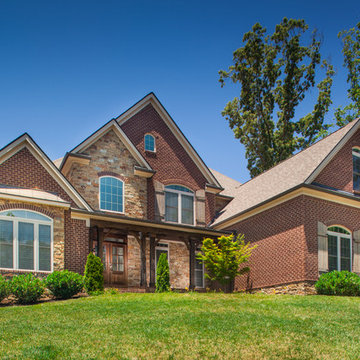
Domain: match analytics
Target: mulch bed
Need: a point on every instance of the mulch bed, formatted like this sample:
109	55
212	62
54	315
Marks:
47	297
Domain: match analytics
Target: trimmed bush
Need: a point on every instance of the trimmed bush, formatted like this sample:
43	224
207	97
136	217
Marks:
64	284
27	289
4	288
94	274
162	274
341	283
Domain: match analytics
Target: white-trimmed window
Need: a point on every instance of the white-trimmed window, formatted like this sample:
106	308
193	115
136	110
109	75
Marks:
199	274
26	241
111	194
356	168
161	248
149	142
339	248
179	204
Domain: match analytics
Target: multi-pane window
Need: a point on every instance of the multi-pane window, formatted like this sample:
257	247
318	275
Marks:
111	194
179	204
25	241
199	273
356	168
149	142
339	249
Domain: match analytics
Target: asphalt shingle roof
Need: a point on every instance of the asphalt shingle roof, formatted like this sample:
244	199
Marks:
282	177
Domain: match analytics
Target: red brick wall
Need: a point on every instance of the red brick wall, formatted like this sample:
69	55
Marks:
76	244
330	214
286	236
171	162
338	173
23	170
280	255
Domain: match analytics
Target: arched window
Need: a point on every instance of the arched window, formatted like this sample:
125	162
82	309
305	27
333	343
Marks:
356	168
149	142
339	248
25	240
179	204
111	194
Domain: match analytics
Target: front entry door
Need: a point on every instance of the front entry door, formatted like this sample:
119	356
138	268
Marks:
115	261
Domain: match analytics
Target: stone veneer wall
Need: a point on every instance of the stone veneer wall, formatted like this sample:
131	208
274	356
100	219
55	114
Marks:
178	263
134	261
109	156
299	288
57	214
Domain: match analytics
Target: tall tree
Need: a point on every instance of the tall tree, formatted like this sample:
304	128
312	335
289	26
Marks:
275	72
351	52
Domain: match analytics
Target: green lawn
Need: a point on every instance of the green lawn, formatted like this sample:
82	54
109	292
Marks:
183	326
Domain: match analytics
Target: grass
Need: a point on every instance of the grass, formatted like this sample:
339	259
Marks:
183	326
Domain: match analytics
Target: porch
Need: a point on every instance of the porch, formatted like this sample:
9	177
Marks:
130	251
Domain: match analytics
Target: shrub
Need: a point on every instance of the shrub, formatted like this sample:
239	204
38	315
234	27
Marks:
162	274
4	288
341	283
94	277
64	284
27	289
223	258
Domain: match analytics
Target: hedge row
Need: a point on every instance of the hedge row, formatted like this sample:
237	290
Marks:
27	289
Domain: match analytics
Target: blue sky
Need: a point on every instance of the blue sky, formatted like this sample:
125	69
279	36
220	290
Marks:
67	67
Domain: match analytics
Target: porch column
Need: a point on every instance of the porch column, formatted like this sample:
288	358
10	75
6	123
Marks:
143	259
192	248
100	243
152	261
91	238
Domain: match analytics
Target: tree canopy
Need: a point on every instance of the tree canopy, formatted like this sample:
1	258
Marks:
275	73
351	52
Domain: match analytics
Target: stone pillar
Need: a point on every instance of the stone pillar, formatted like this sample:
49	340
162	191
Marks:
152	261
143	259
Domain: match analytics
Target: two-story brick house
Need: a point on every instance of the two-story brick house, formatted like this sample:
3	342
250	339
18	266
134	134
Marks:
136	188
133	189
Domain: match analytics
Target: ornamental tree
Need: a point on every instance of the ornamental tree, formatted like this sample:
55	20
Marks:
94	274
162	274
275	72
223	257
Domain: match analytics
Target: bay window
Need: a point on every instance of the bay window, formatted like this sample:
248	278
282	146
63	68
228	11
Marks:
179	204
25	241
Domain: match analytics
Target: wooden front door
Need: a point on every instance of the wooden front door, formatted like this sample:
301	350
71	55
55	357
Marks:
115	263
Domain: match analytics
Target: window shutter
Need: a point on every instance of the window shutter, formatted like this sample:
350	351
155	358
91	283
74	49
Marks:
200	207
322	248
159	201
356	261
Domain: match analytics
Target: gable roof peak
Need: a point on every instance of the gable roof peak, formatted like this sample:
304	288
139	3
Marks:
26	141
110	125
174	128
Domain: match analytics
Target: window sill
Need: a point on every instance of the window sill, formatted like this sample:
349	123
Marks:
178	223
25	271
113	212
